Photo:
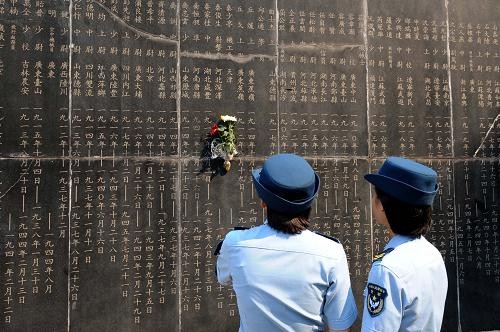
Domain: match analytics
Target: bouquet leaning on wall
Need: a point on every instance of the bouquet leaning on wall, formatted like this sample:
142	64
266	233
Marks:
219	147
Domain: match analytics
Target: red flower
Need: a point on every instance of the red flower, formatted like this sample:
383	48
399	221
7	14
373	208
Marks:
214	130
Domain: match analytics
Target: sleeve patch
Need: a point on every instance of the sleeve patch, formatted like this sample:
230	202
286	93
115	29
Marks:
375	299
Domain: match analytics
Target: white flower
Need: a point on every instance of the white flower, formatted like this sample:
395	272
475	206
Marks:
228	118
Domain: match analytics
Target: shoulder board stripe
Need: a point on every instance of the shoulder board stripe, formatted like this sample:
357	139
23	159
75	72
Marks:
378	257
328	237
240	228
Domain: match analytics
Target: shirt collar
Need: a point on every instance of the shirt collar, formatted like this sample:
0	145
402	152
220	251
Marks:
397	240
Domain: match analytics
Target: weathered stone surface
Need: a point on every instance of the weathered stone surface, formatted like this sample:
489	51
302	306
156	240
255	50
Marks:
107	224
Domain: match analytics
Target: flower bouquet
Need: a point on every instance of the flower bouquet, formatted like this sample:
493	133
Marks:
219	146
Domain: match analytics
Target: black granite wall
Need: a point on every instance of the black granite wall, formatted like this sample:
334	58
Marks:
105	222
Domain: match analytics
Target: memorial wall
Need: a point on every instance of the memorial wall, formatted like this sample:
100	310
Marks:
106	223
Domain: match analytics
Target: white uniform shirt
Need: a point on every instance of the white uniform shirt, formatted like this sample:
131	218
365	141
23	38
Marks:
287	282
406	288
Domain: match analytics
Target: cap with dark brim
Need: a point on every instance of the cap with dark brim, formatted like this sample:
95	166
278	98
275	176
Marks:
286	183
406	180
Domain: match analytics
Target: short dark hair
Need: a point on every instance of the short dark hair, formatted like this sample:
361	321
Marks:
404	218
290	224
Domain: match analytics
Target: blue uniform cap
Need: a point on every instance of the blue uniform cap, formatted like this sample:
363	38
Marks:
286	183
406	180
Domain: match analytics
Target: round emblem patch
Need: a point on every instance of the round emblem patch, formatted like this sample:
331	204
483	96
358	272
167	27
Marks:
375	299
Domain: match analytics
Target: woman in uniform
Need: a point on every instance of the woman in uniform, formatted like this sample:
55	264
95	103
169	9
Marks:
407	284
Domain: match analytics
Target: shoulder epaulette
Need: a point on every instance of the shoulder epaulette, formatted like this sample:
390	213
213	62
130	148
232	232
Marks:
378	257
328	237
240	228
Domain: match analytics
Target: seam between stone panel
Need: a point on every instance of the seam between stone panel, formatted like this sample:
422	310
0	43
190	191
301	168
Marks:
452	134
492	126
175	158
276	73
369	154
146	35
179	169
448	59
244	158
31	162
70	174
314	46
241	59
